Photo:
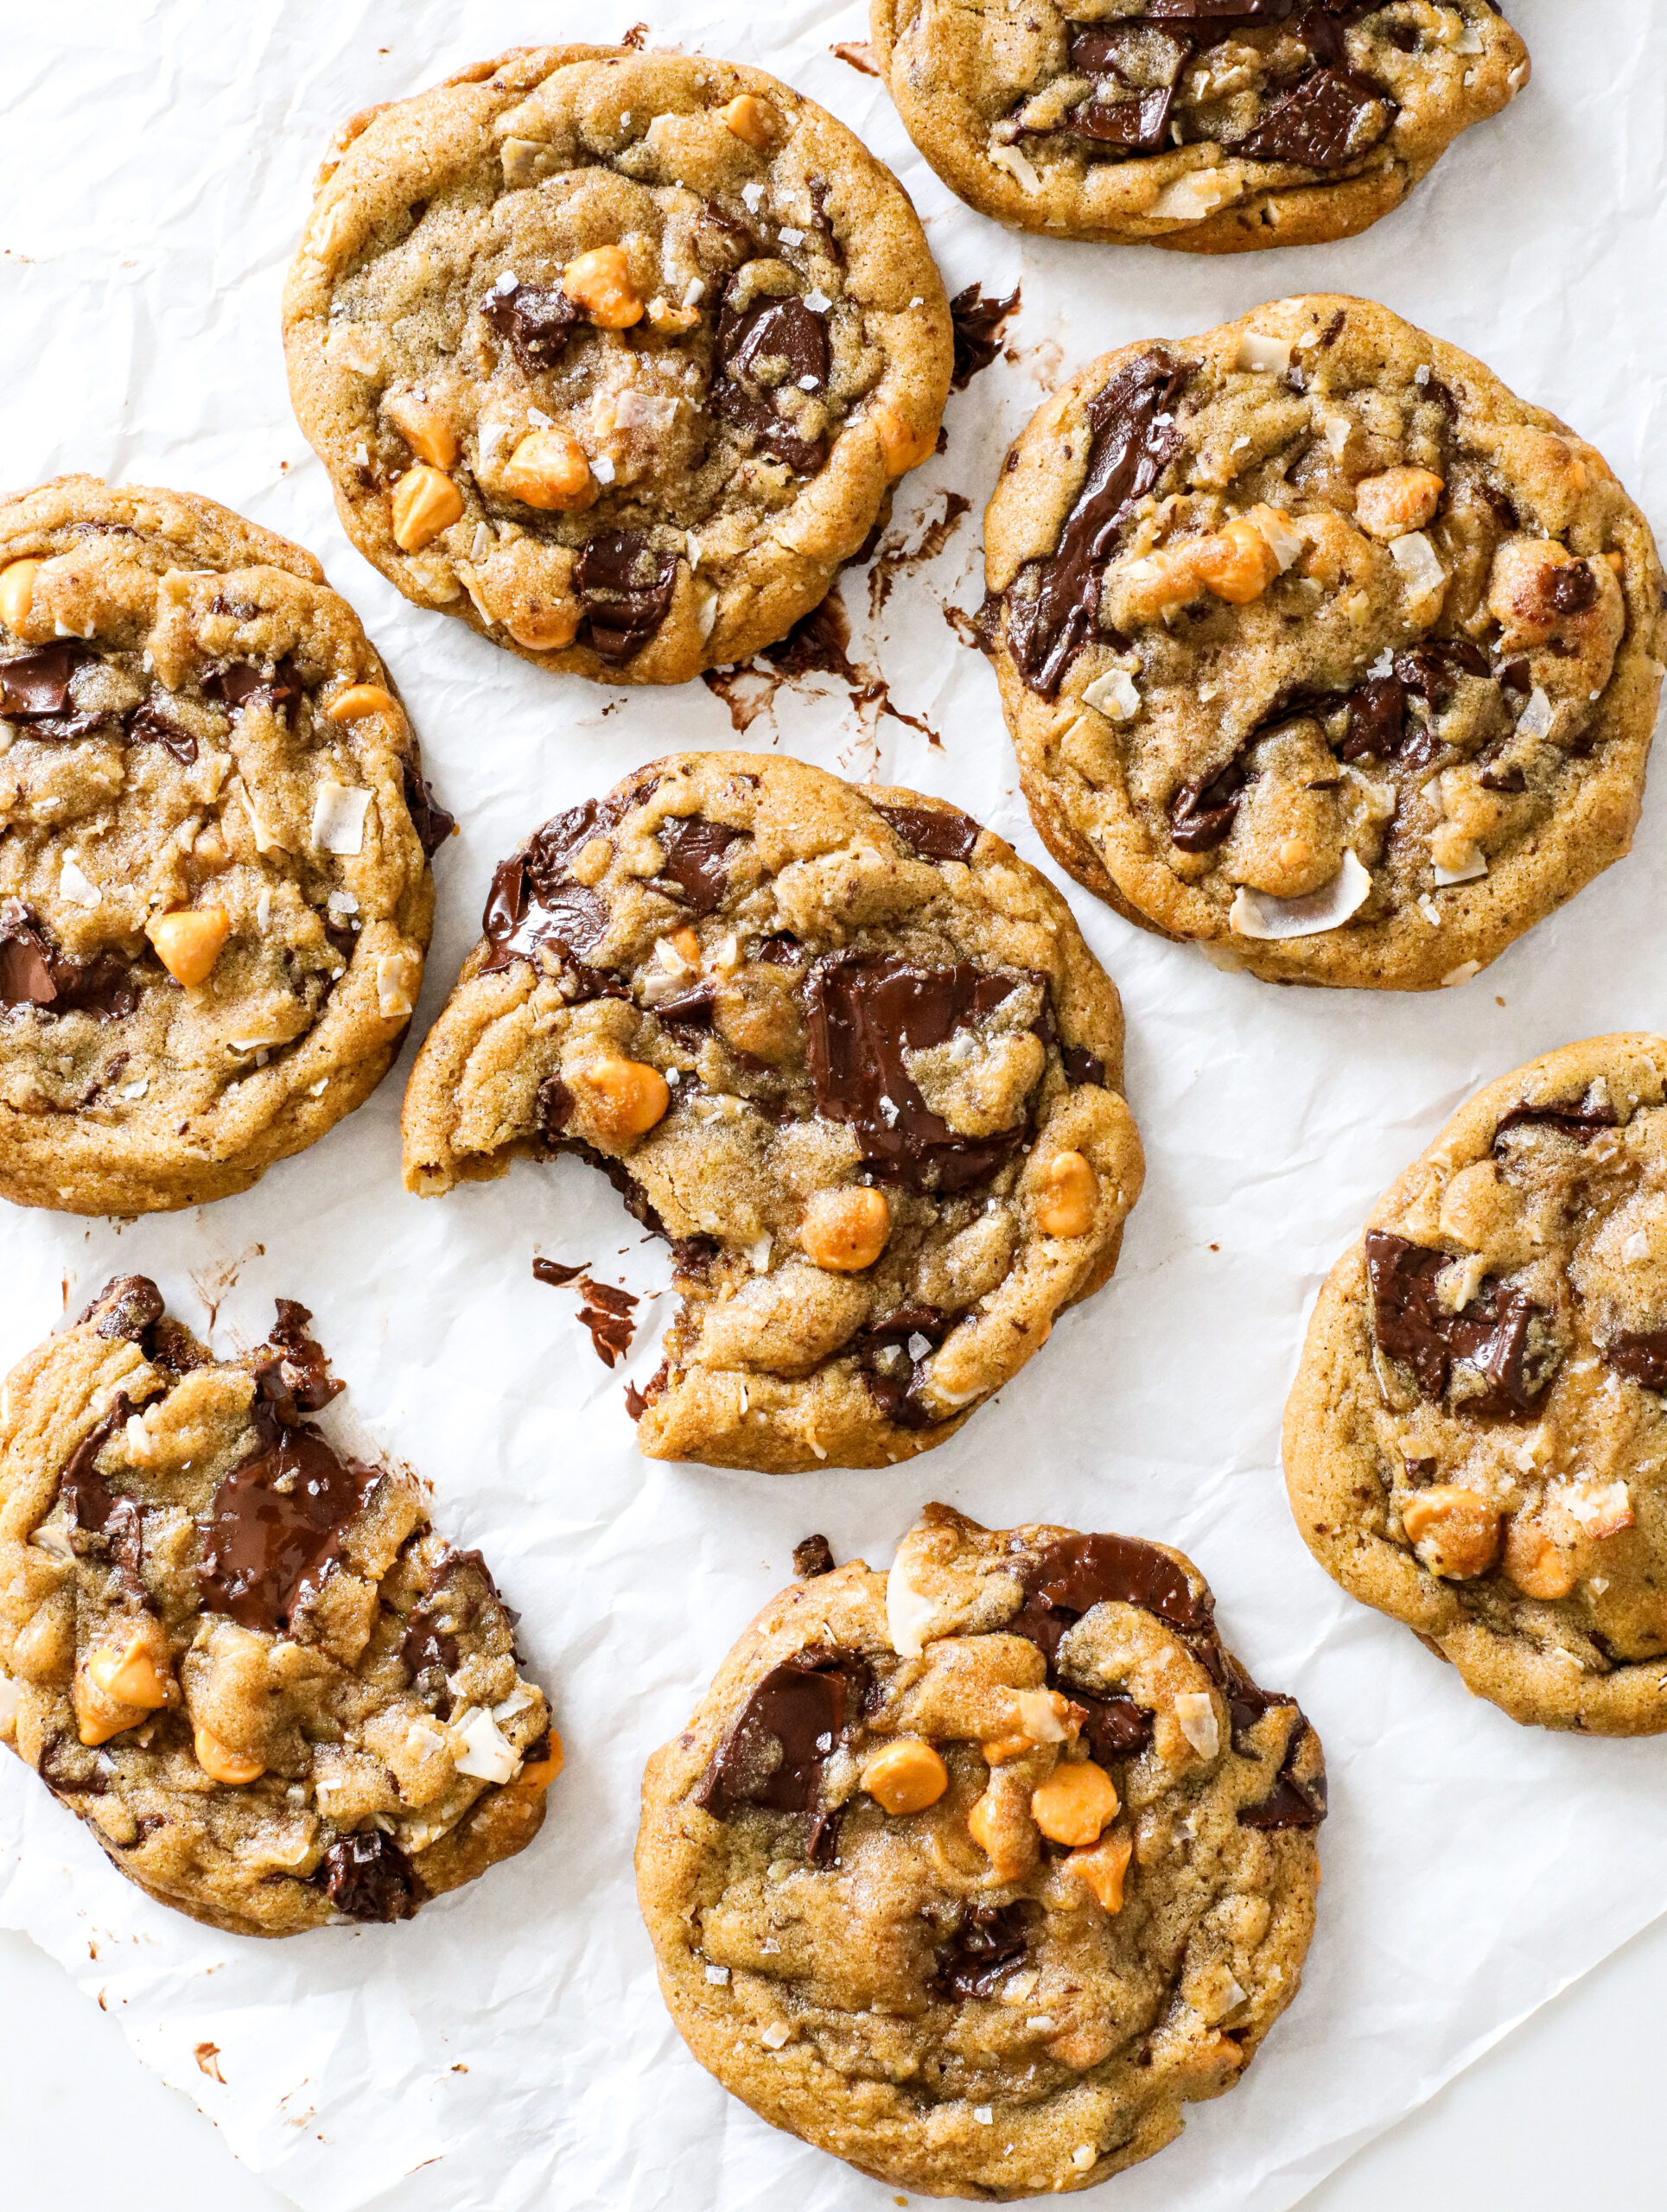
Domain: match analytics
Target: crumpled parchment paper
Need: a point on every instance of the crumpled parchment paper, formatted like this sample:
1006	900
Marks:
509	2049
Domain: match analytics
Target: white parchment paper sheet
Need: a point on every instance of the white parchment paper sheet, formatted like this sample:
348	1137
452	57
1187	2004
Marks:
509	2049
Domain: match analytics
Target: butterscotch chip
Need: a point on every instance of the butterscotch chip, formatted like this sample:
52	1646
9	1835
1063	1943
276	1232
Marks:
214	838
669	330
1192	124
1320	648
276	1695
830	1868
1477	1437
823	1039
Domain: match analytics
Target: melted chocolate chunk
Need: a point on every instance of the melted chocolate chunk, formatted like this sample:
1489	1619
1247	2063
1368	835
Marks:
1201	813
35	686
298	1380
430	1649
978	325
988	1939
1053	605
1136	71
1492	1335
432	824
1083	1066
626	588
1434	667
241	684
554	1273
1641	1354
535	322
1292	1803
34	972
697	864
278	1523
151	724
813	1557
1069	1579
133	1306
1377	715
533	903
896	1377
1581	1119
774	1754
1320	123
774	344
88	1500
369	1877
933	833
1116	1728
1571	590
607	1314
860	1015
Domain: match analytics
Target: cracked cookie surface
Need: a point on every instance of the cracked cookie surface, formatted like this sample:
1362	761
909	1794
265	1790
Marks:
844	1048
1193	124
277	1698
214	838
1476	1440
977	1872
1320	647
615	355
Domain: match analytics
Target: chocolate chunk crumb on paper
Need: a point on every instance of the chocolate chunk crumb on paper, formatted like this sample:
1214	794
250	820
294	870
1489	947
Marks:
606	1311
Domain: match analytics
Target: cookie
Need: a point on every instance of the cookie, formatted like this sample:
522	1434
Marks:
1320	648
613	355
844	1048
1212	127
977	1872
275	1695
214	840
1477	1435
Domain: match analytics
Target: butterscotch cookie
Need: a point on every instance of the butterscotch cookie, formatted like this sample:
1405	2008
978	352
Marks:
1476	1440
613	355
276	1696
977	1872
1215	128
214	840
1320	647
843	1048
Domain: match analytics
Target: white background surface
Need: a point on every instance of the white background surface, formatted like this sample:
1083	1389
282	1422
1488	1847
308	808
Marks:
153	175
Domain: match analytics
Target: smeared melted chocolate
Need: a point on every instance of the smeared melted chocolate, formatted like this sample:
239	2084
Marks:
773	345
534	321
369	1877
987	1941
978	325
556	1274
697	864
88	1499
933	833
432	824
1641	1354
1053	605
35	973
774	1754
627	588
1494	1334
606	1312
859	1015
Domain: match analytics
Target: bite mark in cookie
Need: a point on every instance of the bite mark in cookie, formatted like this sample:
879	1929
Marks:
843	1050
975	1873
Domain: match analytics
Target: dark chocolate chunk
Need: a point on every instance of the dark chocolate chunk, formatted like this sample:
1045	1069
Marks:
432	824
860	1017
987	1941
896	1377
152	724
1137	68
772	346
298	1379
626	588
1201	813
697	864
1491	1336
1434	667
35	688
774	1754
88	1497
813	1557
978	325
933	832
1069	1579
1641	1354
1294	1801
278	1522
1083	1066
132	1304
1378	714
1053	604
533	902
369	1877
241	684
1581	1119
34	972
536	323
1116	1728
1330	118
1499	776
1572	589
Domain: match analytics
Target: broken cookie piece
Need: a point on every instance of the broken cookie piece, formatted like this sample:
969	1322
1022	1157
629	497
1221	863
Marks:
1475	1440
276	1695
1010	1820
844	1050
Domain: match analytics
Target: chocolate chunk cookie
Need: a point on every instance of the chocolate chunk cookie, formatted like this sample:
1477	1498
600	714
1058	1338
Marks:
976	1873
245	1660
843	1048
1319	646
613	355
1478	1434
214	840
1217	126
